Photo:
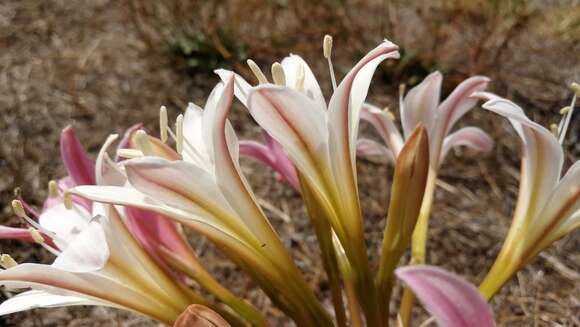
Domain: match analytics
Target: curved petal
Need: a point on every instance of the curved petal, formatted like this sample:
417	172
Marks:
542	158
87	252
450	299
420	104
368	147
291	119
107	172
257	151
182	185
472	137
65	223
561	215
40	299
87	285
78	164
346	102
241	86
284	165
384	125
193	135
292	65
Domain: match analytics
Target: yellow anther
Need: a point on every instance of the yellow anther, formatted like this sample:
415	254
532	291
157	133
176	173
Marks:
143	143
52	189
390	115
402	88
7	261
179	134
576	88
67	199
257	72
327	46
36	236
565	110
18	208
163	123
278	74
554	129
129	153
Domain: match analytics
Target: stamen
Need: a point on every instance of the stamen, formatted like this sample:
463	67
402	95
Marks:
179	134
300	78
129	153
576	88
564	110
39	239
143	143
257	72
389	114
554	129
163	123
565	123
67	199
327	52
278	74
53	189
18	209
7	262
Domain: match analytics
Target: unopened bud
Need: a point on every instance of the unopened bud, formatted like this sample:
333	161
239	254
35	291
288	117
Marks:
278	74
327	46
7	261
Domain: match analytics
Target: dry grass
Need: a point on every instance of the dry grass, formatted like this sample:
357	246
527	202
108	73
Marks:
101	66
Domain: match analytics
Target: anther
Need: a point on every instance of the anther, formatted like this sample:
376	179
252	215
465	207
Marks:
18	209
142	140
565	110
257	72
52	189
163	123
6	261
278	74
327	46
129	153
576	88
67	200
554	129
179	134
36	236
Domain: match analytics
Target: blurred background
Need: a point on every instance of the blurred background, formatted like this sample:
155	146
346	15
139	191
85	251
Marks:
104	65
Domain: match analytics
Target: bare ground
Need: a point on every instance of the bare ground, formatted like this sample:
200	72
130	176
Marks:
84	63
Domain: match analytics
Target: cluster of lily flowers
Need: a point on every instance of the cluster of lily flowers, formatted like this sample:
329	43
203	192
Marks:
115	223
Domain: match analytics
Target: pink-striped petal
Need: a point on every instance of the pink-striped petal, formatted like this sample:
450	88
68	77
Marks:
451	300
368	147
384	126
472	137
78	164
420	104
292	65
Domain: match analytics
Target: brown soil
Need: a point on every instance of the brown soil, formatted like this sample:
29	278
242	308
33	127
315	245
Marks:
86	63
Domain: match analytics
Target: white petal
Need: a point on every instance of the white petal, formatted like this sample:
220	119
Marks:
87	252
421	103
291	65
41	299
65	223
241	86
384	126
193	135
472	137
